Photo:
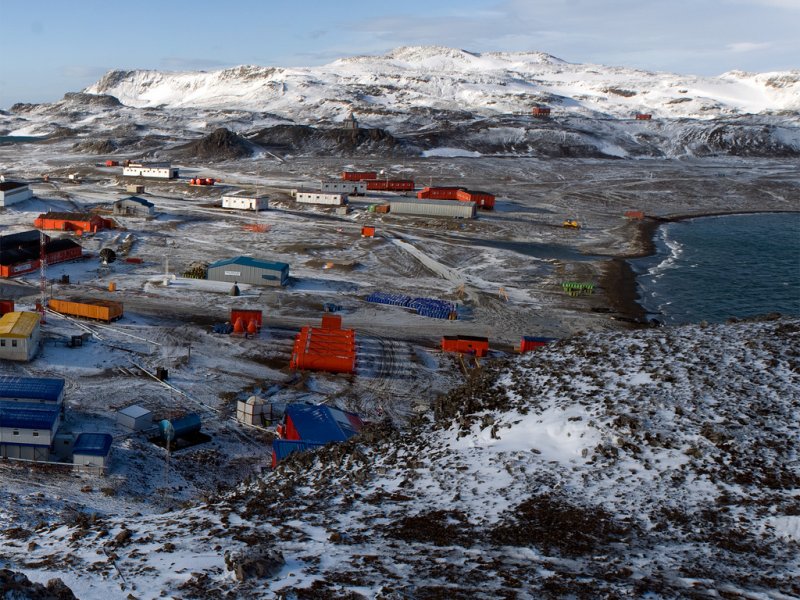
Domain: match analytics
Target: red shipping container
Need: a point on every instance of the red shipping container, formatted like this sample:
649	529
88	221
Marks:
466	344
367	231
112	163
390	185
634	214
134	260
359	175
643	117
331	321
6	306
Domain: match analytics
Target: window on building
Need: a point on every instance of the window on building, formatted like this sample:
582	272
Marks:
2	343
13	343
35	434
15	432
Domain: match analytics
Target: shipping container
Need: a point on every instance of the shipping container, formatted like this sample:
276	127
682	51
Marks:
466	344
434	208
112	163
359	175
89	308
382	208
6	306
643	117
634	214
331	321
529	343
367	231
390	185
484	200
540	111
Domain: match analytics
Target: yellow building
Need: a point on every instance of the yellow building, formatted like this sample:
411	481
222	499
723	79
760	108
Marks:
19	335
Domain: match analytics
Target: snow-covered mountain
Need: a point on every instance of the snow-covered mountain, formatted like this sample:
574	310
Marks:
425	99
488	84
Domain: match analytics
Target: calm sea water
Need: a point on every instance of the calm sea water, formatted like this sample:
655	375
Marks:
714	268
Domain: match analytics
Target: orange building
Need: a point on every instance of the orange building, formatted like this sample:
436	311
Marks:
80	223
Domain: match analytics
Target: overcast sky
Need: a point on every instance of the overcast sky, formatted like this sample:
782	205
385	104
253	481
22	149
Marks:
48	47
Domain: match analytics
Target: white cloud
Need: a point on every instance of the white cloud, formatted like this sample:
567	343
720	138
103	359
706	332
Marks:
748	46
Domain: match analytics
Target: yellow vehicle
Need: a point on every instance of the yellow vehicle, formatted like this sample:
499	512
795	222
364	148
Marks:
571	223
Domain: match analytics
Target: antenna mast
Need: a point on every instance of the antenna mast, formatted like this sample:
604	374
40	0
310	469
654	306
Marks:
42	275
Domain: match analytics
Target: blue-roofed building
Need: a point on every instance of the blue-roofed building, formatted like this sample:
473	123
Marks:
245	269
319	423
27	429
42	390
92	452
308	426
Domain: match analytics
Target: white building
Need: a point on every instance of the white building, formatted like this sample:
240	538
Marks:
331	199
152	170
31	409
135	418
19	336
355	188
12	192
243	202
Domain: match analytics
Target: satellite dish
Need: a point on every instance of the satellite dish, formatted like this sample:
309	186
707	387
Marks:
107	255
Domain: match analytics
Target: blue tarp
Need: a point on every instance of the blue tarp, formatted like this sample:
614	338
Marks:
93	444
425	307
283	448
319	423
34	388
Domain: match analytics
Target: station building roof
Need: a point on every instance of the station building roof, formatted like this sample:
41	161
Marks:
33	388
93	444
18	324
20	415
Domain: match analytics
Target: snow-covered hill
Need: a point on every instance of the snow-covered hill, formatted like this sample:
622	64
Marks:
487	84
431	100
661	463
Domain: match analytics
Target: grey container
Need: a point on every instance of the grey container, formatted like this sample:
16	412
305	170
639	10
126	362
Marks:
434	208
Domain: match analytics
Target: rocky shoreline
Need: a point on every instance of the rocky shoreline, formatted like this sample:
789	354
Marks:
619	280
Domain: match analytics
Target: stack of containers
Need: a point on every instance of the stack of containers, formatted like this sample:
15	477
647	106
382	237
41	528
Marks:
327	348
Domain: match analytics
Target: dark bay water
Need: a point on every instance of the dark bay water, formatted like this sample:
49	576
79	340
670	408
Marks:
11	139
714	268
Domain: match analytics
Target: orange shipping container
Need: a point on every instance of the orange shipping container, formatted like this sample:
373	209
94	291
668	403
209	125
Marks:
88	308
466	344
367	231
331	322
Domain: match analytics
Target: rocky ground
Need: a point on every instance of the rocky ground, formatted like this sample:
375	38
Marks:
658	463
